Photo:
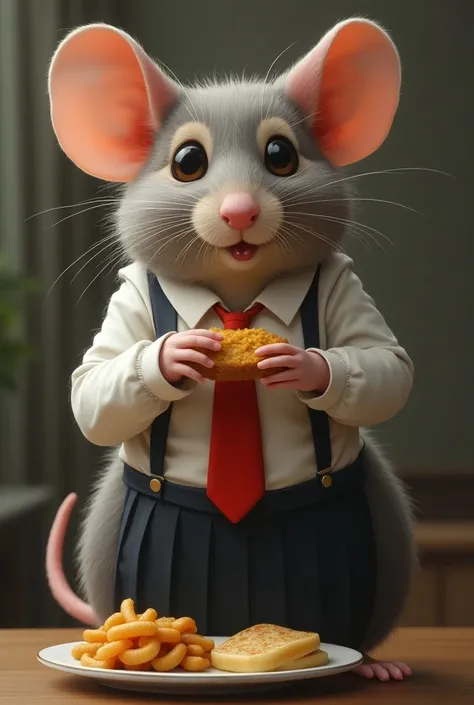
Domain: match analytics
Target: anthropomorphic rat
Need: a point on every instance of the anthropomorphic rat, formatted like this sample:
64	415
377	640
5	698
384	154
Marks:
237	503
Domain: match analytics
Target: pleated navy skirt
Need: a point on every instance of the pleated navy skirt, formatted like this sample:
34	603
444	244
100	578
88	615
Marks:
303	558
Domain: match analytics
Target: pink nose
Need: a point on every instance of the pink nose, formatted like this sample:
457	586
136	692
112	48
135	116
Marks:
239	210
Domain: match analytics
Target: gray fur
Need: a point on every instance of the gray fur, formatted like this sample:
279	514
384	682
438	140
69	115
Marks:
232	111
392	516
98	538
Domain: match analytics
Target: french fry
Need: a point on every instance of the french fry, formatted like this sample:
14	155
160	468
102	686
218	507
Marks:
144	642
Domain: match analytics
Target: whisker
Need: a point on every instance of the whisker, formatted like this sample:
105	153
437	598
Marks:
91	259
317	235
186	249
355	199
101	271
284	230
165	242
165	208
74	215
185	91
382	172
181	193
325	216
96	205
98	201
293	195
148	242
137	238
106	201
299	239
304	119
157	222
207	247
354	223
132	239
357	234
280	241
289	186
294	236
267	76
94	246
174	238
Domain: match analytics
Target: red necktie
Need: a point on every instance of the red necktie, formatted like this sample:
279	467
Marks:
236	476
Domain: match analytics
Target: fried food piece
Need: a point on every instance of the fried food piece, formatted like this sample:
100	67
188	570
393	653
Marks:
150	615
127	608
91	662
165	621
113	649
168	635
140	667
185	625
89	648
94	636
195	650
195	663
198	640
113	621
171	660
236	360
132	630
142	654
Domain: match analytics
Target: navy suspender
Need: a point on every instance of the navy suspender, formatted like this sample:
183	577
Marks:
319	420
165	320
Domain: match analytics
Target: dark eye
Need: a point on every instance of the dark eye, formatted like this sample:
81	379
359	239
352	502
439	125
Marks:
281	157
189	162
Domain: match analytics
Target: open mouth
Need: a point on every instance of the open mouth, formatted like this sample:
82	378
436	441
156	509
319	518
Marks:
243	251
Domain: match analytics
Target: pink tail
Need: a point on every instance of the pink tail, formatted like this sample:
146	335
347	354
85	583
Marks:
59	586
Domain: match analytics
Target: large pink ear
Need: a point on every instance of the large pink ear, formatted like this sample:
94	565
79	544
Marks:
349	86
107	99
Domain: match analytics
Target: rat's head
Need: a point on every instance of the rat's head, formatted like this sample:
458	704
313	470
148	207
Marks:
225	179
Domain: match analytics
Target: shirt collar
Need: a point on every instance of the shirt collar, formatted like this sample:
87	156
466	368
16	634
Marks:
282	297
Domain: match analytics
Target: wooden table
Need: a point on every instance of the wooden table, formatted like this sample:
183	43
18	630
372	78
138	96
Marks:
442	660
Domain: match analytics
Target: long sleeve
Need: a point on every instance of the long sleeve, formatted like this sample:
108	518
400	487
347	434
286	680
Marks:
118	389
371	376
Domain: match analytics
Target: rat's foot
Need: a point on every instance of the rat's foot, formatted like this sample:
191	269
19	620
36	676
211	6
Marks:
383	670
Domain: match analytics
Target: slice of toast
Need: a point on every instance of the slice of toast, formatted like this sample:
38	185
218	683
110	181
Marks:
314	660
262	648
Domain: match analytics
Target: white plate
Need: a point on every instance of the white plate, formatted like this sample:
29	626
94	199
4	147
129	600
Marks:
211	681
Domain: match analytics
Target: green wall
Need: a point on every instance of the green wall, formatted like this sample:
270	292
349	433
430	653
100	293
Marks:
423	282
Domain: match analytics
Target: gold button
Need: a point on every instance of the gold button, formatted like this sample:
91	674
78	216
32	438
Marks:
155	485
326	480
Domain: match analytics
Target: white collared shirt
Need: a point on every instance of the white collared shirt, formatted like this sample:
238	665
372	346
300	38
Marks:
118	389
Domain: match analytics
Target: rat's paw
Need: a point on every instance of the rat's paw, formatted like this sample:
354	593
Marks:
382	670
